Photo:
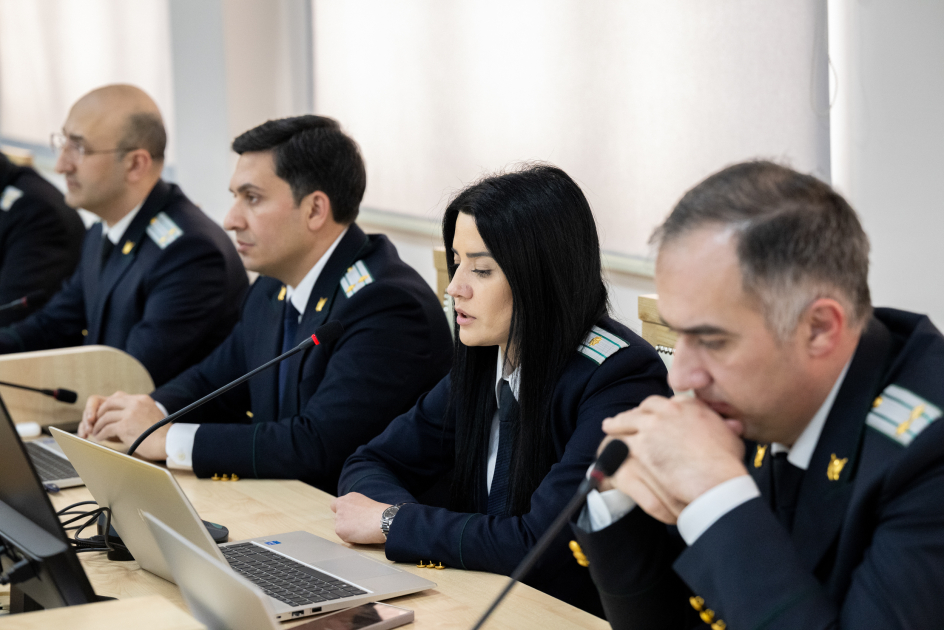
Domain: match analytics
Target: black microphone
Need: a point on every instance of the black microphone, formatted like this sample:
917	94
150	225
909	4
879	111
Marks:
34	298
62	395
326	333
609	460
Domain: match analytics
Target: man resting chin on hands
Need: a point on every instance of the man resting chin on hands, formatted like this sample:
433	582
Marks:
800	485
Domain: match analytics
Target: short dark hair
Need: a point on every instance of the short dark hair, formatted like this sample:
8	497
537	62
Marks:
145	130
538	226
312	153
797	239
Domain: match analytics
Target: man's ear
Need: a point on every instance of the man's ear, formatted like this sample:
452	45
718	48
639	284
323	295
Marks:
824	322
316	208
138	164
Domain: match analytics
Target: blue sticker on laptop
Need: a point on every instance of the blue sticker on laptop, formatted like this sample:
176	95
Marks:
273	542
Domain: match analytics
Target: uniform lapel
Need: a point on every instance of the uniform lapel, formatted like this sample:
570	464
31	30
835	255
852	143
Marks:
324	295
824	498
123	255
265	394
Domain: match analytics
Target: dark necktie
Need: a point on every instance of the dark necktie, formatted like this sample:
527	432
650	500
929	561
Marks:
107	247
507	428
786	484
289	328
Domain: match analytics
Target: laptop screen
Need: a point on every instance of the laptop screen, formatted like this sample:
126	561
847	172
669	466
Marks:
20	487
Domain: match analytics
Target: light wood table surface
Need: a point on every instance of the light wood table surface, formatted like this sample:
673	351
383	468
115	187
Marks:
251	508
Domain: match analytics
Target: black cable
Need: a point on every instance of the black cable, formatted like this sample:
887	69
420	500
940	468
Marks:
88	518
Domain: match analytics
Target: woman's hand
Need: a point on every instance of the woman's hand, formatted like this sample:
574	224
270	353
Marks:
357	519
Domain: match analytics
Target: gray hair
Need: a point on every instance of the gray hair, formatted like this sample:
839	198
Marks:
145	130
797	239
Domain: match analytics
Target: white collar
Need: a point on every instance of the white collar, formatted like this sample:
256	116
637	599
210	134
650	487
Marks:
802	451
514	379
116	231
299	295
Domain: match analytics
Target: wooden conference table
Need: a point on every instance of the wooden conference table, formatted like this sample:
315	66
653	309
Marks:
252	508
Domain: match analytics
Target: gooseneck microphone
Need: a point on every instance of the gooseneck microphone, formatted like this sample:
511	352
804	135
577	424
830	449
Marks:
34	298
62	395
609	460
326	333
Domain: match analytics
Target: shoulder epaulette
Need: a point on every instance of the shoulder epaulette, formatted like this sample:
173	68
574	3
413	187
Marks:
356	278
163	230
599	345
901	415
10	195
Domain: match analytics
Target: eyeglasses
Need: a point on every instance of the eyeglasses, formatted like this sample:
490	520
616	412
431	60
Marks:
61	143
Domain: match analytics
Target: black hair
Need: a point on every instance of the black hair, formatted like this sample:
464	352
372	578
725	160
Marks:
312	153
797	238
538	227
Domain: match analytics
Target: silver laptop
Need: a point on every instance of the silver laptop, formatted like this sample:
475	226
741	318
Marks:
51	463
301	573
221	599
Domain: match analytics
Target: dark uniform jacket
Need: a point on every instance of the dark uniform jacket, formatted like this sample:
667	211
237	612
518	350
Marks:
418	448
396	345
40	237
867	544
168	293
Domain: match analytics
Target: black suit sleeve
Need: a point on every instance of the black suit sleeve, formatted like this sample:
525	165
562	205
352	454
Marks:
896	585
631	566
406	454
59	324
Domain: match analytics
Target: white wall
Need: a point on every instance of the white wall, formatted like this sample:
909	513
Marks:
888	141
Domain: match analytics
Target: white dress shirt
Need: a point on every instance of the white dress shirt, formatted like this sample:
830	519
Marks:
180	437
513	382
116	231
605	508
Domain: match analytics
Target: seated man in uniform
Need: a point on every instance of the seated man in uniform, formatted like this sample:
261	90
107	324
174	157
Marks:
158	278
40	239
805	475
298	186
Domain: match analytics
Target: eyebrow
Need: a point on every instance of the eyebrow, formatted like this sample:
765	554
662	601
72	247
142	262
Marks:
245	187
703	329
474	254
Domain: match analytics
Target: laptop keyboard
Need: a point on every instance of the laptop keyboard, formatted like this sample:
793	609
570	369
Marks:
285	579
50	467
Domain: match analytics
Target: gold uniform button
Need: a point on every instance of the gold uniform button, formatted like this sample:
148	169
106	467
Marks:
84	332
248	414
719	625
215	477
707	615
697	603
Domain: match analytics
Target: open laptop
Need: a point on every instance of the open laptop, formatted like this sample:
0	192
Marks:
221	599
51	463
301	573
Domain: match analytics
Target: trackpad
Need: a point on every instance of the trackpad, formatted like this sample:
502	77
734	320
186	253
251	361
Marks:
355	568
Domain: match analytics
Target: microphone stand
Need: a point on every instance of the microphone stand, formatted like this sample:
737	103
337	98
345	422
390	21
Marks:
329	332
609	460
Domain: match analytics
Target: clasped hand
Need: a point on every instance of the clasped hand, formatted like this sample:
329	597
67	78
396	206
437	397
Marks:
679	449
124	417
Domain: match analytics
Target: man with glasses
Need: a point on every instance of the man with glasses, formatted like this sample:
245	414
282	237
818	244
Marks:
158	278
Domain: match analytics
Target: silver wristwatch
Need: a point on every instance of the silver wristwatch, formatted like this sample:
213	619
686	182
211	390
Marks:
386	519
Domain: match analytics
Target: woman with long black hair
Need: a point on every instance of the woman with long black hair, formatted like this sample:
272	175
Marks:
538	366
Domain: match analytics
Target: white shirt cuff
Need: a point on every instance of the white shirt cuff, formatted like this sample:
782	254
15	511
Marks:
705	510
603	509
179	446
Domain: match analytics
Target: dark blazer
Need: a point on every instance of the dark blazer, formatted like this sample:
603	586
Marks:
40	237
866	549
418	449
396	345
168	304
